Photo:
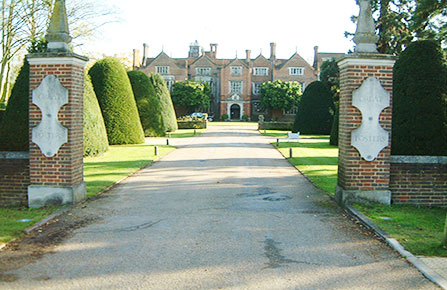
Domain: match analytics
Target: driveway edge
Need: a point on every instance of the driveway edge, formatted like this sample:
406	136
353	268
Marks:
417	263
428	272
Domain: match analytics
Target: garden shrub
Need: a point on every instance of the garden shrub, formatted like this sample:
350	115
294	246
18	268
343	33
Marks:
2	112
225	117
419	101
334	131
114	92
95	135
287	126
14	128
315	110
154	103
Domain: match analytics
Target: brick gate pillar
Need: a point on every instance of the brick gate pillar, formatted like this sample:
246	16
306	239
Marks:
56	119
362	175
366	80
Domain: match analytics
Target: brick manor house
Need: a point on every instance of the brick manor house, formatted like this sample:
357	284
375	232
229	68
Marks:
235	83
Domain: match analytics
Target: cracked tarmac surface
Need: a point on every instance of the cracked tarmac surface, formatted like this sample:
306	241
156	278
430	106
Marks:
224	211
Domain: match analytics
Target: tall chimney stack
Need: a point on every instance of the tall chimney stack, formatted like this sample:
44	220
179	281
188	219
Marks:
136	59
145	54
272	51
248	55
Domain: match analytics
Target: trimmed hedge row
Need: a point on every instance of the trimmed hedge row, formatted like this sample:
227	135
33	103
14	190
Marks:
95	135
276	126
14	129
315	110
2	112
420	101
117	102
200	124
154	103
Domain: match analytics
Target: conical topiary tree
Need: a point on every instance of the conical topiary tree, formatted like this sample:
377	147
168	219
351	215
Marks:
154	103
334	131
118	106
95	135
419	101
315	110
14	128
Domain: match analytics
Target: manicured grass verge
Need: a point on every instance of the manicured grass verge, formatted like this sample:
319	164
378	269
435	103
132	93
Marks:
14	220
120	161
418	229
283	134
185	133
316	159
99	173
253	124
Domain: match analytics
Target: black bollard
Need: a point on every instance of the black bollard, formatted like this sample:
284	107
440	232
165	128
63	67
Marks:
156	150
167	142
291	154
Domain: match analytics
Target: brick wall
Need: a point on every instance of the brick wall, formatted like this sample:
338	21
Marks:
419	180
14	179
355	173
66	168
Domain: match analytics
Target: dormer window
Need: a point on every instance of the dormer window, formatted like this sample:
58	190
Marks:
163	70
296	71
203	71
261	71
236	70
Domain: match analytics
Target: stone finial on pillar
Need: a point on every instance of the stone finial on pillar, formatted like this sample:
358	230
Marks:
58	35
365	35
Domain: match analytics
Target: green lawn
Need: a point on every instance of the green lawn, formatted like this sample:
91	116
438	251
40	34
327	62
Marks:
120	161
418	229
13	221
316	159
284	134
99	173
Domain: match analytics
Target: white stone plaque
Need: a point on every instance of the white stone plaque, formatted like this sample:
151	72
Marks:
50	135
370	138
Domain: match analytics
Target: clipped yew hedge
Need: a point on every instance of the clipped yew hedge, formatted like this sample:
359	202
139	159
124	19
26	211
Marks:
95	135
14	128
334	131
154	103
420	101
315	110
114	92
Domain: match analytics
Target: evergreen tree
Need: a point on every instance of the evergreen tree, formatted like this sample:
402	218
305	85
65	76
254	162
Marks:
14	128
95	135
420	101
315	110
118	106
154	103
334	131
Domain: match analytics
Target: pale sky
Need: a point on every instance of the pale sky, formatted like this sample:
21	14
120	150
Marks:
235	25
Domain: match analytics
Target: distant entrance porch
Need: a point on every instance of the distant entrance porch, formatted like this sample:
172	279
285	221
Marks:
235	112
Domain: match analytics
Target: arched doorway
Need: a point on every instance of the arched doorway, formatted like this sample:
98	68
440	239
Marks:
235	112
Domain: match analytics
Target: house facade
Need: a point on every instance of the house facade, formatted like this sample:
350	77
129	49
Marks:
235	83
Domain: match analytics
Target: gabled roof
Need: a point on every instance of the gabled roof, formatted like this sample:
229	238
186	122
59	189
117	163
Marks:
181	63
260	58
293	57
203	60
238	62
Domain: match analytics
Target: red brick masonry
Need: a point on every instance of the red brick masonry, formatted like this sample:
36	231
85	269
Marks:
420	180
354	173
65	169
14	178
